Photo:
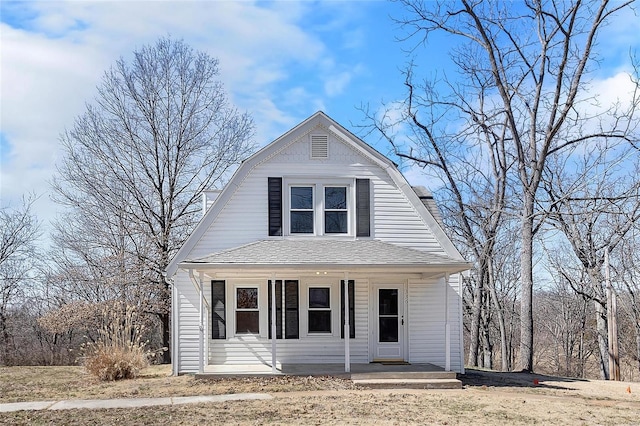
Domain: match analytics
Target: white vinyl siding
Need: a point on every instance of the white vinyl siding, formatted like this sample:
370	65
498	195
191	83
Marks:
242	217
252	350
188	324
426	320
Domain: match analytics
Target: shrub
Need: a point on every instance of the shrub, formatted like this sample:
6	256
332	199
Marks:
114	363
119	352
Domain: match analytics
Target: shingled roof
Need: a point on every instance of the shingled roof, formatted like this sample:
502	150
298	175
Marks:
317	253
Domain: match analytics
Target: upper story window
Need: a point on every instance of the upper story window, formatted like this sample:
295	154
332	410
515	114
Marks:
320	209
302	210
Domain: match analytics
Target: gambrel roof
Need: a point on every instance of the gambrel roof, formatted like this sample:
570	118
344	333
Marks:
283	244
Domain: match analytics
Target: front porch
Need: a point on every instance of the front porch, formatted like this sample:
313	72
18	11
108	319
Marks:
373	375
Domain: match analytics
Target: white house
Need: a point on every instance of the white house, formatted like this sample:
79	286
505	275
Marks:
314	210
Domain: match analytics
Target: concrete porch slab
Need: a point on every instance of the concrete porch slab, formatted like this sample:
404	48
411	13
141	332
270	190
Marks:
370	370
409	383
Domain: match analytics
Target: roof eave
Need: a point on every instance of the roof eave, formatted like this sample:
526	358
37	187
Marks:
450	268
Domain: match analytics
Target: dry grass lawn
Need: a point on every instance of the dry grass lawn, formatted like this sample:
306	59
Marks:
487	399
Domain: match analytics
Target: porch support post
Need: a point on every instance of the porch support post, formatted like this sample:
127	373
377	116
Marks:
447	326
347	328
274	336
201	338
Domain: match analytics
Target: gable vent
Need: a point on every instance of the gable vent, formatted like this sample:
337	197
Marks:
319	146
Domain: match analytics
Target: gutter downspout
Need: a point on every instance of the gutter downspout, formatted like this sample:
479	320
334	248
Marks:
347	326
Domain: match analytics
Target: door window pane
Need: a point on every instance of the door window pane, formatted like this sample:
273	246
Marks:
388	329
388	301
388	315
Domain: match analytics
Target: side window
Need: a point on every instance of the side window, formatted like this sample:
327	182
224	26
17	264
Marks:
319	310
335	210
247	312
301	210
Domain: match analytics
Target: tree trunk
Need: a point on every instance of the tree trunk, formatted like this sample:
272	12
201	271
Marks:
487	348
602	329
474	343
504	353
638	345
165	320
526	292
5	339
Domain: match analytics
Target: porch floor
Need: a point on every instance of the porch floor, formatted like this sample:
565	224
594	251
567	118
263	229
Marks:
373	375
319	369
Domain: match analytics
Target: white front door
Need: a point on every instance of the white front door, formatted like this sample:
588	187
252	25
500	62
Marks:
388	322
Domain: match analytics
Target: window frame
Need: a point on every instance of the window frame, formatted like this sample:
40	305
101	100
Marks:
325	209
291	210
328	309
318	185
333	283
236	309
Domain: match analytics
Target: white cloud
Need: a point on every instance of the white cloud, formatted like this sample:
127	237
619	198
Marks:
337	84
54	58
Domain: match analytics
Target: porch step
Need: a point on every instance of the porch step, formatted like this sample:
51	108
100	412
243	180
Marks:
402	375
409	383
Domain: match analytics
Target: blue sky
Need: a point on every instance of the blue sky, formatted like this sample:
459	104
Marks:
280	61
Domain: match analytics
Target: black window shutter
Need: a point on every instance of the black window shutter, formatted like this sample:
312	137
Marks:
352	310
278	308
218	322
275	205
363	210
291	316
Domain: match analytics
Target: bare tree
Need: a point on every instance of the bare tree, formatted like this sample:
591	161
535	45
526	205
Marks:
626	268
529	62
160	131
473	168
594	202
19	231
565	319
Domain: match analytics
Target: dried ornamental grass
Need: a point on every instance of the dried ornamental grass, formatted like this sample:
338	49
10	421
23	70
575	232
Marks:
119	353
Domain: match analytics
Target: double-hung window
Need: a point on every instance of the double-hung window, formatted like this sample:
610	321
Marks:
319	310
320	208
302	210
247	312
335	210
